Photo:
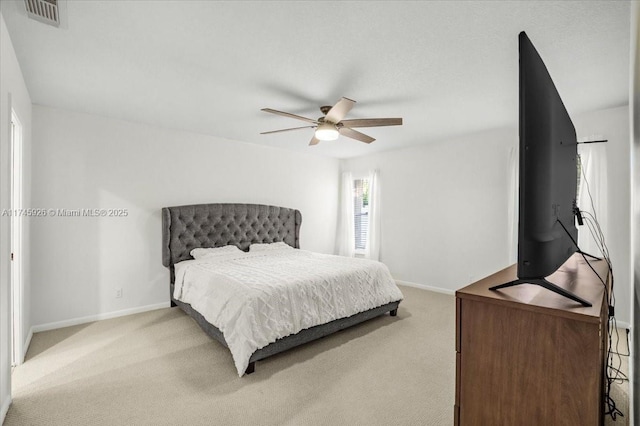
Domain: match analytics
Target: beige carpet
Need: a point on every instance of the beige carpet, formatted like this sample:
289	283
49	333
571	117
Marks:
159	368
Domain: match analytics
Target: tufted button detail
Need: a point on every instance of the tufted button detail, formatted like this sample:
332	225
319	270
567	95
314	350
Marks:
215	225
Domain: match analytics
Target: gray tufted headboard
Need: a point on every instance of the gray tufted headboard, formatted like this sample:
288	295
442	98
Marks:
214	225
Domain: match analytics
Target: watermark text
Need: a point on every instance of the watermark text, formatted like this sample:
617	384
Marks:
57	212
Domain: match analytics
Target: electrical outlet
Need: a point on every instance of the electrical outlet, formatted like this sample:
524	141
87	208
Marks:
118	293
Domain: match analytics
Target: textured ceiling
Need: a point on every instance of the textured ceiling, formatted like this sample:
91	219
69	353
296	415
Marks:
448	68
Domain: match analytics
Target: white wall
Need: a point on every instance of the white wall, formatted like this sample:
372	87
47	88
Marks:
13	95
444	205
634	150
444	208
88	161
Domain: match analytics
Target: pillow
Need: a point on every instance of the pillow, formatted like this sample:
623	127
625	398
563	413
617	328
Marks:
269	246
199	253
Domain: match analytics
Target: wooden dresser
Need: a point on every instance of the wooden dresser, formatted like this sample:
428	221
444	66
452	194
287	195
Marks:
528	356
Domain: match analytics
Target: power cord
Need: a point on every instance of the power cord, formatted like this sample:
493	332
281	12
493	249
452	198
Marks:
613	374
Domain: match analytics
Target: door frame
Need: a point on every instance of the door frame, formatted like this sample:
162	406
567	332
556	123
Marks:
16	167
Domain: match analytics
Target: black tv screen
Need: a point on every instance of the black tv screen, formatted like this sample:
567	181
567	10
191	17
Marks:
548	171
547	233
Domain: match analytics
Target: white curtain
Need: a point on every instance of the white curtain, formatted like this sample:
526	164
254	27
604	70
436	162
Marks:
346	232
513	188
372	250
592	195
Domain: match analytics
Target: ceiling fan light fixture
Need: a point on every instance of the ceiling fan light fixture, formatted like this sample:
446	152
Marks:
333	125
327	132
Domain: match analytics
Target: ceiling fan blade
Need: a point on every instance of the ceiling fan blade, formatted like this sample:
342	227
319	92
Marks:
339	110
354	134
314	141
287	114
286	130
371	122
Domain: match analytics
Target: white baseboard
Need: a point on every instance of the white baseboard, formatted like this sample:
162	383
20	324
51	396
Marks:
27	342
25	346
426	287
623	324
98	317
4	408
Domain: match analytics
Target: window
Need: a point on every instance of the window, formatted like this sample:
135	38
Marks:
592	195
358	232
361	213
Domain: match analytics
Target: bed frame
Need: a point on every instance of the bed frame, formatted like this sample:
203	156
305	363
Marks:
214	225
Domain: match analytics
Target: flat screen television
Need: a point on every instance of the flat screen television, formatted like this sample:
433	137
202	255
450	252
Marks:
547	233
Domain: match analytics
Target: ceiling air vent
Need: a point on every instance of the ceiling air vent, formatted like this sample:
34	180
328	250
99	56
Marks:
44	11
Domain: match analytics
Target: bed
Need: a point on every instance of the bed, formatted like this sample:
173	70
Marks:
185	228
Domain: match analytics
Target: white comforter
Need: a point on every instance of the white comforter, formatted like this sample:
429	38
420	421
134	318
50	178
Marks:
257	298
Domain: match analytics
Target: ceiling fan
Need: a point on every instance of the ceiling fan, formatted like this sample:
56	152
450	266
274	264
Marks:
331	125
